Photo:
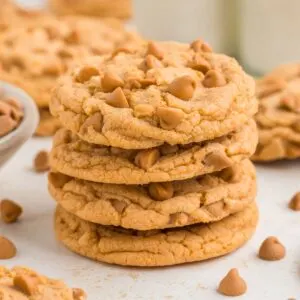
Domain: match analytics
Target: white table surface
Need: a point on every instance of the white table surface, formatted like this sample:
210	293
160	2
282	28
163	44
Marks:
38	249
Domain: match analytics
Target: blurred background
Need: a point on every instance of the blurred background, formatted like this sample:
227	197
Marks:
260	33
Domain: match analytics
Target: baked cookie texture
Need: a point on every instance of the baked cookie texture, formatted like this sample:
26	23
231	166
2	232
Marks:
278	118
155	93
99	8
77	158
153	248
208	198
151	167
21	283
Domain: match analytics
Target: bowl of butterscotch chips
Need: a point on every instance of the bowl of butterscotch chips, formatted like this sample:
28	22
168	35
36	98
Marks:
18	120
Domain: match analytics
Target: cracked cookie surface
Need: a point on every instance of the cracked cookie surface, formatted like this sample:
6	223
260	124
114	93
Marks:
154	93
34	56
156	247
76	158
21	283
208	198
278	118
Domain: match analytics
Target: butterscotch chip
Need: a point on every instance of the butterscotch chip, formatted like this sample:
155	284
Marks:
182	87
217	159
117	99
199	64
41	162
271	249
295	202
86	73
5	108
143	110
10	211
7	124
28	284
147	158
138	83
168	149
110	82
161	191
155	50
79	294
169	117
7	248
152	62
232	284
213	79
94	121
199	45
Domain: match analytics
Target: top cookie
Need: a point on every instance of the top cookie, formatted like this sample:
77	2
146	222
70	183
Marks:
24	284
278	118
34	56
101	8
155	93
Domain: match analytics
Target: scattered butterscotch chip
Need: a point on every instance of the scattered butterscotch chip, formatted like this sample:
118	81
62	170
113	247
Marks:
28	284
86	73
161	191
169	117
111	81
214	78
295	202
145	159
232	284
79	294
117	99
7	248
41	161
155	50
271	249
182	87
10	211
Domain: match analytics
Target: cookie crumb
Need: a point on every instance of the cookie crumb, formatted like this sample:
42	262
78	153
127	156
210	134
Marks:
232	284
7	248
10	211
41	162
295	202
271	249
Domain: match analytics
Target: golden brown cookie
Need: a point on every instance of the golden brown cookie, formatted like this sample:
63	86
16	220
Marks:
100	8
76	158
48	124
22	283
208	198
34	56
155	247
278	118
156	93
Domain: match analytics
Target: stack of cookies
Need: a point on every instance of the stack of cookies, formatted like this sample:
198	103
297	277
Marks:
151	167
278	118
36	48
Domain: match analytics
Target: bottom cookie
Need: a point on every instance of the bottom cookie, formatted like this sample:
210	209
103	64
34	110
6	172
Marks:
48	124
152	248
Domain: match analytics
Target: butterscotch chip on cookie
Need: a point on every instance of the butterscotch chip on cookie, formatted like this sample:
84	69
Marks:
21	283
76	158
156	94
278	118
10	211
208	198
152	248
121	9
34	56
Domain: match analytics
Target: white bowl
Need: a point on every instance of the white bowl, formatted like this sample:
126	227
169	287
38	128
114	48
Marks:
11	142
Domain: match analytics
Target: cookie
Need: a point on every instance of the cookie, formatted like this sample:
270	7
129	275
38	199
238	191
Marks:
209	198
104	8
115	245
21	283
278	118
76	158
34	56
48	124
155	93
